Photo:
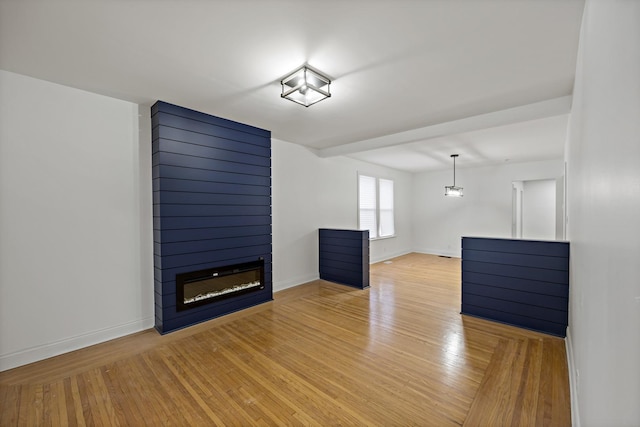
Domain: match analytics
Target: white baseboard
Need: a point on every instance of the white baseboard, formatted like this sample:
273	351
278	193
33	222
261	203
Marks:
388	256
573	381
440	252
290	283
41	352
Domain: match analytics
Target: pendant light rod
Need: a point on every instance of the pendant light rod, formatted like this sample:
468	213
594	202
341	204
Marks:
454	168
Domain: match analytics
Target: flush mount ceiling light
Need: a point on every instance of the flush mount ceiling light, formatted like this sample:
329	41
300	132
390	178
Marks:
452	190
305	86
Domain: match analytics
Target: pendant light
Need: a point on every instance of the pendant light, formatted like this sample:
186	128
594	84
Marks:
452	190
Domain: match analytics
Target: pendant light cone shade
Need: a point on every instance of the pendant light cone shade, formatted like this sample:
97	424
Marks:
305	86
452	190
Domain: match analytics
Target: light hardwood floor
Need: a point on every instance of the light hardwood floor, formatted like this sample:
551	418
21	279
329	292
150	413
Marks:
396	354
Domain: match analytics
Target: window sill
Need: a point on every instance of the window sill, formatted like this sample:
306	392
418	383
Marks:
372	239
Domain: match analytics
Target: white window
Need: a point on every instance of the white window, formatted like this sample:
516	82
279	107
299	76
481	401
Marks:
375	206
385	196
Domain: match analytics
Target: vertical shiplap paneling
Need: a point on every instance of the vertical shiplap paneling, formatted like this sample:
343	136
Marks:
344	256
212	205
520	282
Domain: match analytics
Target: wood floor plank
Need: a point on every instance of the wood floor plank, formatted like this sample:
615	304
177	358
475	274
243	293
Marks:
526	402
398	353
559	398
25	409
118	380
60	399
172	393
74	407
10	396
192	386
161	409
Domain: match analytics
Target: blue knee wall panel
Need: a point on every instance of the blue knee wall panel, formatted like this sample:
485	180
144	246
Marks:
524	283
344	256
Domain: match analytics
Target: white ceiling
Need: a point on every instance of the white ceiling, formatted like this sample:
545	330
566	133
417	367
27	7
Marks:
527	141
414	80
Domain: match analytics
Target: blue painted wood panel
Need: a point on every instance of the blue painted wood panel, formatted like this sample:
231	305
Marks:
513	307
177	248
212	206
214	256
523	260
535	324
185	235
246	157
166	210
337	249
183	160
344	256
207	175
179	223
517	271
172	184
165	107
184	198
516	246
520	282
171	126
334	256
524	297
514	283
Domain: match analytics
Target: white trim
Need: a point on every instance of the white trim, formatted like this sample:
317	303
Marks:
388	256
439	252
374	239
41	352
573	381
290	283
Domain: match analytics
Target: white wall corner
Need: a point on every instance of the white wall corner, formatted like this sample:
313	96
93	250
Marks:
386	257
281	285
573	381
438	252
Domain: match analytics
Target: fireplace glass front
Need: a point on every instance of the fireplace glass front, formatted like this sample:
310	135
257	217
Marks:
197	288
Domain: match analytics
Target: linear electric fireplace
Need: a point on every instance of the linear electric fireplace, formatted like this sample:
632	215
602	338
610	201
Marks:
201	287
211	216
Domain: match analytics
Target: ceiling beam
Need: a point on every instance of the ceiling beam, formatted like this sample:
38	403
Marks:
523	113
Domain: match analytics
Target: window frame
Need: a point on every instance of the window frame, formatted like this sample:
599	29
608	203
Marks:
378	210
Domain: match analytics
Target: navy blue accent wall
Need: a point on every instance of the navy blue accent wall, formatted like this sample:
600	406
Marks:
211	206
344	256
520	282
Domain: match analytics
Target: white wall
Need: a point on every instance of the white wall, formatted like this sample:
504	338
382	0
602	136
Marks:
560	208
539	209
603	206
309	193
73	270
516	207
76	252
439	222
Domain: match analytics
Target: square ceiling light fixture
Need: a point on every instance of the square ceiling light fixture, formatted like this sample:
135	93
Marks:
305	86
